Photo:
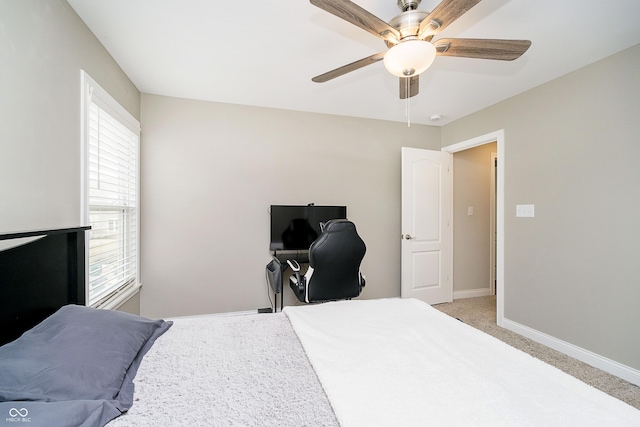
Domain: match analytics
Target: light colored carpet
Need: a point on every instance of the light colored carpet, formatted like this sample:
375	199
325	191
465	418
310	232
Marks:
480	313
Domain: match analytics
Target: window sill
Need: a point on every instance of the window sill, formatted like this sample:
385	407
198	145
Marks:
120	298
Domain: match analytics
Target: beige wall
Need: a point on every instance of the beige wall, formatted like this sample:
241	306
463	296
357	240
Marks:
471	233
572	150
43	46
211	171
132	305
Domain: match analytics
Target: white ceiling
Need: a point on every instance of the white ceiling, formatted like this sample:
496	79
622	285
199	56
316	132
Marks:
264	53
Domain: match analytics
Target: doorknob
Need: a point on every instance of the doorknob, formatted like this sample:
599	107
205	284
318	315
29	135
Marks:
408	236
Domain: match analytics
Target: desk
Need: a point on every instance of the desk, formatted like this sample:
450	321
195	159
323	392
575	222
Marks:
276	269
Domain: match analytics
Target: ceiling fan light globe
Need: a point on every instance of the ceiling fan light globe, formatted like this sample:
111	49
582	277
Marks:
416	55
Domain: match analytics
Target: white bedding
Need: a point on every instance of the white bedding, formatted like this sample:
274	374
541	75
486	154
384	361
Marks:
398	362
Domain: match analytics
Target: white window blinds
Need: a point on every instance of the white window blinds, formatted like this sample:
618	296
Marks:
111	170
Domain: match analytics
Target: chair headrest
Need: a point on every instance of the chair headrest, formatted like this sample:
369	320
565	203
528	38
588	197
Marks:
336	225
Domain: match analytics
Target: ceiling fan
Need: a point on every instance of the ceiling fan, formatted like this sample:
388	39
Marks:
409	39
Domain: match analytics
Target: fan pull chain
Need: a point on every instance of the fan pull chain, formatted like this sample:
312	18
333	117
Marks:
408	106
408	113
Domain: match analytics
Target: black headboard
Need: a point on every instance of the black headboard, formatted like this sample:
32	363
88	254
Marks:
38	277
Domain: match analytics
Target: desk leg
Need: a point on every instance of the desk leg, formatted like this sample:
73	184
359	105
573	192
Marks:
275	301
283	268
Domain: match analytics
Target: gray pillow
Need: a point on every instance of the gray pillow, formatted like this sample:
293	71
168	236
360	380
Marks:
78	354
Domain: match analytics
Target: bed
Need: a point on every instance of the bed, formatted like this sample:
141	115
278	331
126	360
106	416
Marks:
386	362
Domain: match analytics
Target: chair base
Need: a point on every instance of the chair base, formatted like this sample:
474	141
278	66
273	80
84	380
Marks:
301	293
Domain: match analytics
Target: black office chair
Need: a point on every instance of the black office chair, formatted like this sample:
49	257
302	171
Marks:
334	265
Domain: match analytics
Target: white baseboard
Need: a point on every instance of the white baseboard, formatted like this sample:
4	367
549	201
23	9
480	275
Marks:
224	314
471	293
611	366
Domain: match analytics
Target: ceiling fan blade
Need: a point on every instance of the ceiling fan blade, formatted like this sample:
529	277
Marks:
409	86
443	15
358	16
504	50
348	68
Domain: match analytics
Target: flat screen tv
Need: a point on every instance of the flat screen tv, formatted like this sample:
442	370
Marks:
296	227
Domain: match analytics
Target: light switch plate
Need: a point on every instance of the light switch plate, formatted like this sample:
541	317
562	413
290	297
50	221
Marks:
525	211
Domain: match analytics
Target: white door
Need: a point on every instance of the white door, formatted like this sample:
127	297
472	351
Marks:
426	236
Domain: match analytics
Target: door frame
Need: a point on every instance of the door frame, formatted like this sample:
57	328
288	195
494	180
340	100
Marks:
498	138
492	223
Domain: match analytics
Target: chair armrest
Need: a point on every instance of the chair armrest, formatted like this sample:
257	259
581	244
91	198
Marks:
293	264
296	270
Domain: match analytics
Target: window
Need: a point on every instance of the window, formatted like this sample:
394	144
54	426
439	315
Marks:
110	148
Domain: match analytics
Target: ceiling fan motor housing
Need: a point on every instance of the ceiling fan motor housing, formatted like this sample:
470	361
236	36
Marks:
405	5
408	24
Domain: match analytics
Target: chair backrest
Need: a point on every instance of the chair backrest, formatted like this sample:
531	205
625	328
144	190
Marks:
336	256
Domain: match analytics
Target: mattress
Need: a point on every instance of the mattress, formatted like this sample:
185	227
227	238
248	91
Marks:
360	363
